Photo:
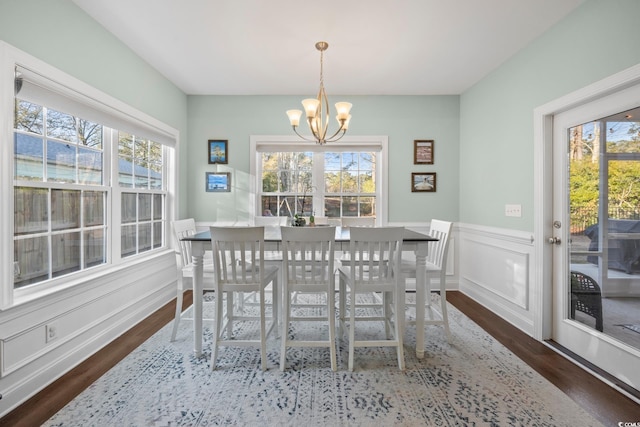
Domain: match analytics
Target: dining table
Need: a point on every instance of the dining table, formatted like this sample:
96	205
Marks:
412	241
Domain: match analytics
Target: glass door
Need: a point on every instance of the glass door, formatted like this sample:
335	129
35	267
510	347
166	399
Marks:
597	246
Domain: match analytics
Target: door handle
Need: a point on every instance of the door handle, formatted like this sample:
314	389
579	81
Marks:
554	240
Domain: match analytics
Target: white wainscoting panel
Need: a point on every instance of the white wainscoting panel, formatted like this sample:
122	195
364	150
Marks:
86	317
495	270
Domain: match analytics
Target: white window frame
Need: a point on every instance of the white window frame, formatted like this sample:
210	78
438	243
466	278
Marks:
118	111
275	143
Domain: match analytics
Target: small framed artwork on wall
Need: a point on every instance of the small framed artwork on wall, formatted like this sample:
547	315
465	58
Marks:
217	152
423	152
218	182
423	182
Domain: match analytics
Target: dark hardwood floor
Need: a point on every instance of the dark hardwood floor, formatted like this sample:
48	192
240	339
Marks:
602	401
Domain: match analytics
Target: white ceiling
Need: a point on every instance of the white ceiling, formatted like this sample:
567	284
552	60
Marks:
376	47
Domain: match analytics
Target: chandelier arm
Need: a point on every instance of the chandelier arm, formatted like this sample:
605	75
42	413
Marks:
301	136
333	138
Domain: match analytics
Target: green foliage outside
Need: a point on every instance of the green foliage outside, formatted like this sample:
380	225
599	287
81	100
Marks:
623	183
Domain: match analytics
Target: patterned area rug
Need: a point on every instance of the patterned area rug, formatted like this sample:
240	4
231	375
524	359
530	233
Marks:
473	380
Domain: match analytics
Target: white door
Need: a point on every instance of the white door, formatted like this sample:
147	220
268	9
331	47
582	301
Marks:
596	233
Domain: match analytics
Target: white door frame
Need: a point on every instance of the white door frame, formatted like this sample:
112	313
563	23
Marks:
543	188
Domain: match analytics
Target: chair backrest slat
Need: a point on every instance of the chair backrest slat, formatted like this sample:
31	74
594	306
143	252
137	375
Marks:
375	254
181	229
308	254
438	250
238	254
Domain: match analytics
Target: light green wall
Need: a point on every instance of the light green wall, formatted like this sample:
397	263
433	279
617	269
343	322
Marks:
496	116
402	118
64	36
484	139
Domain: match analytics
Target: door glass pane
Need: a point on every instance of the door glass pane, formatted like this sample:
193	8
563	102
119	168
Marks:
604	206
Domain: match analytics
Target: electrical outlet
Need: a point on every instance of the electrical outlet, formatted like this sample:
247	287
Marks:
51	331
513	210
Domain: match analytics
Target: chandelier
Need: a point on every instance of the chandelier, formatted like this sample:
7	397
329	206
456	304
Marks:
317	111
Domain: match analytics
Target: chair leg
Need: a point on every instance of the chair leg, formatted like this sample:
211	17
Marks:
263	334
399	322
285	328
387	313
176	320
445	316
352	328
216	329
331	306
230	311
276	304
341	307
443	304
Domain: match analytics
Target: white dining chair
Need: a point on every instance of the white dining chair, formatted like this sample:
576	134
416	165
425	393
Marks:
436	267
184	228
374	267
308	254
238	258
272	256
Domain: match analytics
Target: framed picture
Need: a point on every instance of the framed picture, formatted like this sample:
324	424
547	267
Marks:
218	182
217	151
423	152
423	182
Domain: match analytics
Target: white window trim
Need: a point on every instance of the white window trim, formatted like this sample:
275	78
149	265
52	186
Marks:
378	142
10	57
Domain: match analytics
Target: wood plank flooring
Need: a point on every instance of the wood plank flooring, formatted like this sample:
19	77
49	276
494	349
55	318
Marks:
603	402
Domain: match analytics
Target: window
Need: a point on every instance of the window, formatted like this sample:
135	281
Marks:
59	196
140	167
336	180
90	182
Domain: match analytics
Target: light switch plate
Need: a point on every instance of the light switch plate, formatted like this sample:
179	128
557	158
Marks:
513	210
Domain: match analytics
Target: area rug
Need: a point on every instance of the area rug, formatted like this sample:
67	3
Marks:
471	381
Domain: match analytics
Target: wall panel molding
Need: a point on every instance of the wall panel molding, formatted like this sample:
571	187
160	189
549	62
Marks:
495	270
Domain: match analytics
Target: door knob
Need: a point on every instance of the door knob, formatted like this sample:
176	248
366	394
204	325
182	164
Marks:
554	240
